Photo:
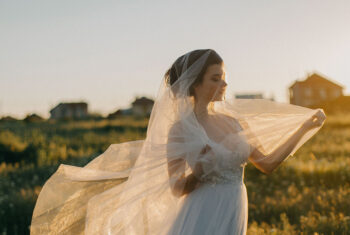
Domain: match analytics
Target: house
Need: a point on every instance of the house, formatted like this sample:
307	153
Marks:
33	118
314	90
257	95
142	106
119	113
249	96
139	107
337	105
8	119
70	110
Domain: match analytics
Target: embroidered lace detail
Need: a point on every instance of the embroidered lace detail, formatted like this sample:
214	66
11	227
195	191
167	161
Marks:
225	164
224	177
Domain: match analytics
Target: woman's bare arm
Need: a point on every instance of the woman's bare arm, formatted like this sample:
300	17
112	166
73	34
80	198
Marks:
183	185
176	168
268	163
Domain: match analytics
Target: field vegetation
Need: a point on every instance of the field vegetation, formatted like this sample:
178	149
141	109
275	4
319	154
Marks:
308	194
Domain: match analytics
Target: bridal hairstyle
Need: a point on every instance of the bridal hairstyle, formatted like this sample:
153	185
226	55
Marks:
174	72
135	187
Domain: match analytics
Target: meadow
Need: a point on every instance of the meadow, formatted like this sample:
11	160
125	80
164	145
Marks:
308	194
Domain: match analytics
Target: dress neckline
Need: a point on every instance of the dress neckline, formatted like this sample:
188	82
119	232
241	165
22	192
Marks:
228	134
224	138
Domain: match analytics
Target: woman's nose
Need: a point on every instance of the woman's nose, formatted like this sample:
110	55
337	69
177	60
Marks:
224	84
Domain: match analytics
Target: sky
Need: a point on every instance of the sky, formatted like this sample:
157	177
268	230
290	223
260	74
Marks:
106	53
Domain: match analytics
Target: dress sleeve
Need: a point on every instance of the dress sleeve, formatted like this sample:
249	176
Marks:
189	154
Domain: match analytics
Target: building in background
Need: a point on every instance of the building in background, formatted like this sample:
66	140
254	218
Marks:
8	119
257	95
120	113
77	110
33	118
313	91
142	106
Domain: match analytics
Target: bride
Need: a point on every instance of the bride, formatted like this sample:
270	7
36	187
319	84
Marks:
187	176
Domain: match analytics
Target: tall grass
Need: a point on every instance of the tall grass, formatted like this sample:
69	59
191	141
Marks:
308	194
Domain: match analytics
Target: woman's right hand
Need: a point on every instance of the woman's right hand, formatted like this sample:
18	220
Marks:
206	149
198	168
315	121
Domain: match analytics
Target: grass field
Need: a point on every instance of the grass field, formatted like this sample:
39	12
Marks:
308	194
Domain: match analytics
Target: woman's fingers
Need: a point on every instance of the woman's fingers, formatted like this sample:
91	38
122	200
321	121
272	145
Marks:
316	120
320	117
206	149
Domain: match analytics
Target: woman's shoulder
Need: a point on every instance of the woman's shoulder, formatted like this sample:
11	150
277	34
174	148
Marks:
227	117
232	119
178	125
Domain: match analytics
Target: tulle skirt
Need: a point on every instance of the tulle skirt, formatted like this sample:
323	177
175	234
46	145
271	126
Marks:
220	209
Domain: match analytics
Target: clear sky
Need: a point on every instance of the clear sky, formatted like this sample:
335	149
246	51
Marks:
108	52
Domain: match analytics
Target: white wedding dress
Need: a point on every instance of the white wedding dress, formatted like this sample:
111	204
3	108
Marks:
219	205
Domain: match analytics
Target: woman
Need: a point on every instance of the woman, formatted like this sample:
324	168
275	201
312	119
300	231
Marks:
186	177
221	209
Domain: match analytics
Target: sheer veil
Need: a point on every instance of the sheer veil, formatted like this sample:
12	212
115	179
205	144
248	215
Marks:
135	187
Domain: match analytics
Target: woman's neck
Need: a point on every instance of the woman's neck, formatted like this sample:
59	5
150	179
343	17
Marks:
201	110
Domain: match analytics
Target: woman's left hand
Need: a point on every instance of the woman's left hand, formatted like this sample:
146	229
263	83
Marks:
315	121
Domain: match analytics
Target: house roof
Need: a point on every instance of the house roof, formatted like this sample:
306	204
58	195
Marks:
142	101
71	105
249	95
8	118
316	79
33	116
121	112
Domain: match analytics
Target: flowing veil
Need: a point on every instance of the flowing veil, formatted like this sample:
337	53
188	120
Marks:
133	187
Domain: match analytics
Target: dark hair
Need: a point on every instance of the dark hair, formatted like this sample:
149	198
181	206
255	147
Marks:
171	76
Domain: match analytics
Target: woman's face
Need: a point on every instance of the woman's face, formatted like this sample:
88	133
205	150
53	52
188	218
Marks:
213	85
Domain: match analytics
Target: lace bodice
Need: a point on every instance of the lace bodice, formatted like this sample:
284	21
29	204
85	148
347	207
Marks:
229	158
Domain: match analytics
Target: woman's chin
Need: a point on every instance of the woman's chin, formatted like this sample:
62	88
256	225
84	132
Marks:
220	98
